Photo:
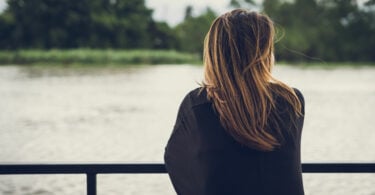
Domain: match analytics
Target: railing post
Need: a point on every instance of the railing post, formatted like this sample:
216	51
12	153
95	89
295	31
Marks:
91	183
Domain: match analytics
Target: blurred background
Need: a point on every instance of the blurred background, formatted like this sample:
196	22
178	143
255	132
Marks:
86	81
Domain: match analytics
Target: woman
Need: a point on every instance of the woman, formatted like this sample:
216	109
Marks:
241	132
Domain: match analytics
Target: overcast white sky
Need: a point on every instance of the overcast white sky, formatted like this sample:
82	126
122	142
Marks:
173	11
2	5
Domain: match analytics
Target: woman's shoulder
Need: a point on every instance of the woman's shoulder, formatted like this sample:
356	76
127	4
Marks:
278	89
299	95
196	97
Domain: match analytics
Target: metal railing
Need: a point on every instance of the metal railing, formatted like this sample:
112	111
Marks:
92	170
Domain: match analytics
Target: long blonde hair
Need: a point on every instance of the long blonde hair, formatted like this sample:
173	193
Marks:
238	58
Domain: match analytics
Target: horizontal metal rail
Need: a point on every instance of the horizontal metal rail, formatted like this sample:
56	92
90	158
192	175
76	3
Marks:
91	170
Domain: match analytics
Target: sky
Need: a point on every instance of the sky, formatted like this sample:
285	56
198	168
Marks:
2	5
173	11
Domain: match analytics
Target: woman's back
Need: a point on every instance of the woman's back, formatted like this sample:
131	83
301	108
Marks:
240	133
203	159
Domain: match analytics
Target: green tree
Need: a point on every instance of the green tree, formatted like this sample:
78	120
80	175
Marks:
72	23
297	25
188	12
191	32
48	23
241	3
7	26
120	23
331	30
162	36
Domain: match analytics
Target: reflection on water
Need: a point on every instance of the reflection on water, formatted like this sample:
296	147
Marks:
126	114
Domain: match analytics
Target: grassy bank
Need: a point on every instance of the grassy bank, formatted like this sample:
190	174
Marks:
101	57
324	64
96	57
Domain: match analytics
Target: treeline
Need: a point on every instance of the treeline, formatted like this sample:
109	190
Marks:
118	24
328	30
46	24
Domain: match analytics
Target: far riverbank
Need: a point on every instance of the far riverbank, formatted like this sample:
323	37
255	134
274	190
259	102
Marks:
96	57
113	57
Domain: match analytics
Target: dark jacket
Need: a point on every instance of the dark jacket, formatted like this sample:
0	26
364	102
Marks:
203	159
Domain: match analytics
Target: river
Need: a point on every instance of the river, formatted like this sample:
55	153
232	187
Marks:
113	114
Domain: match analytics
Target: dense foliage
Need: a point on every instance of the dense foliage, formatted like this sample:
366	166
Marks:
328	30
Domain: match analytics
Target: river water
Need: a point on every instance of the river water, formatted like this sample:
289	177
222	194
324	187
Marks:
80	115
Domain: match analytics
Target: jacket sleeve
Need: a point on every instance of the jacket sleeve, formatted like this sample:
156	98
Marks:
301	99
178	154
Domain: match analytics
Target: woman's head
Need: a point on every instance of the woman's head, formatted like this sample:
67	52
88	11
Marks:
238	58
239	41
